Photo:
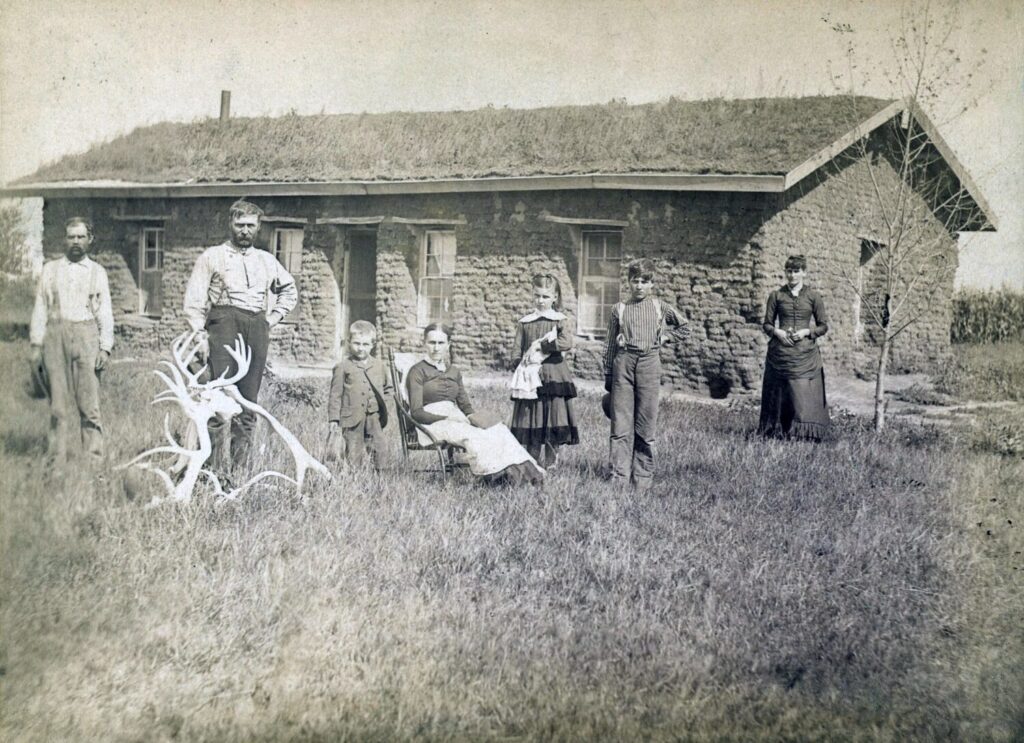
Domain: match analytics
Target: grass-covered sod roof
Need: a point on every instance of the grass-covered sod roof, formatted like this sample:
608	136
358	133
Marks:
756	136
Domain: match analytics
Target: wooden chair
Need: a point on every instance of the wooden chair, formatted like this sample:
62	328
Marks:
408	428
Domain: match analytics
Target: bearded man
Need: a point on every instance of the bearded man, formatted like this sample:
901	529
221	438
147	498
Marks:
72	333
238	289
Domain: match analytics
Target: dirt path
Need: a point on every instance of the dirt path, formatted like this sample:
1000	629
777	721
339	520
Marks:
851	394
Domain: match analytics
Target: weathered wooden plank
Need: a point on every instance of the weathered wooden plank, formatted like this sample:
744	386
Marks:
425	221
286	220
140	217
579	221
349	220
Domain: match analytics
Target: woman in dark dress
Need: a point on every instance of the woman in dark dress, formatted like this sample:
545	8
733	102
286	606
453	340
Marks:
438	400
793	394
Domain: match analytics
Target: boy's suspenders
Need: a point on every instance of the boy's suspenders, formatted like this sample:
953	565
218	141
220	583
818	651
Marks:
620	308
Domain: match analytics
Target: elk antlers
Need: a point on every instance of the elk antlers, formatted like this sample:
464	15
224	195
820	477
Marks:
200	402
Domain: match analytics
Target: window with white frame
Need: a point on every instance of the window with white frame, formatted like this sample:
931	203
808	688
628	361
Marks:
437	271
150	270
152	248
600	279
287	248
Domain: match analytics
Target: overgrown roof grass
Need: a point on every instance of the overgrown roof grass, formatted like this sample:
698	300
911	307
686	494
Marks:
754	136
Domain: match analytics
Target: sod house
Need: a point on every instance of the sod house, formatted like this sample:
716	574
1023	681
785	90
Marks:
407	218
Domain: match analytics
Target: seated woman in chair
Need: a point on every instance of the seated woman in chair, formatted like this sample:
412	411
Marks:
438	401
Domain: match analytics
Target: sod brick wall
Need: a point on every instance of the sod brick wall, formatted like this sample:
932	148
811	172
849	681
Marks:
718	255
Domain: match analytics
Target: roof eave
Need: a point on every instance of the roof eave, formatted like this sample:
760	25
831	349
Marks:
595	181
991	221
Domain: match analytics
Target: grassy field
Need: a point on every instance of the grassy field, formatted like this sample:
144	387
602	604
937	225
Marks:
865	589
984	371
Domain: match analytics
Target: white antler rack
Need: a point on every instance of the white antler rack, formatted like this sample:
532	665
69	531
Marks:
200	402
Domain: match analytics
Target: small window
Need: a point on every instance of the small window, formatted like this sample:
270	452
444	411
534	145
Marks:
436	277
600	279
864	295
287	248
150	271
153	248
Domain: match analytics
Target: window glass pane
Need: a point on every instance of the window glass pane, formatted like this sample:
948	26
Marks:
611	292
435	300
448	254
152	259
440	253
613	244
602	253
448	259
590	306
288	249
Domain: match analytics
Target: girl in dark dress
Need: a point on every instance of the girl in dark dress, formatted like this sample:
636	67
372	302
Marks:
547	421
793	394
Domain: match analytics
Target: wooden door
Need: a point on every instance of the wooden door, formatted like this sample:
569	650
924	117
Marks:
360	291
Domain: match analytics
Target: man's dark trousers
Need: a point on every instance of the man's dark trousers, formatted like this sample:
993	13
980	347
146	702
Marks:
224	324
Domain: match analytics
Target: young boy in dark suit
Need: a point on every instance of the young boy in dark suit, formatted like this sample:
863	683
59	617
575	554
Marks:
357	401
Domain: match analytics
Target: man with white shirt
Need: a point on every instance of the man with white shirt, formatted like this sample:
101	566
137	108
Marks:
72	332
235	288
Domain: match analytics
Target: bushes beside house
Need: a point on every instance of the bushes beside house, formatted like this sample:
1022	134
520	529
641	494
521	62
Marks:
987	316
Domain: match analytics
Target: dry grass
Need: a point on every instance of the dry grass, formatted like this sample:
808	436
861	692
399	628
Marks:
16	299
763	590
765	135
986	372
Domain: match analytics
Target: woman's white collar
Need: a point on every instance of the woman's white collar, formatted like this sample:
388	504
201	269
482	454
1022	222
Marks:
439	365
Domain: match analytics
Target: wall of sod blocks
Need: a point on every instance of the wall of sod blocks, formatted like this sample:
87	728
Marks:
718	255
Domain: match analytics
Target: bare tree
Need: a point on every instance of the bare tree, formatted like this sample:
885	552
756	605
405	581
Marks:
916	204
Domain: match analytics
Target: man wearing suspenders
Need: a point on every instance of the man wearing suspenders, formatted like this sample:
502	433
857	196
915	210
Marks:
229	293
72	333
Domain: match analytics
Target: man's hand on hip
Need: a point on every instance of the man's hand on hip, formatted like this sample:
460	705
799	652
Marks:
202	354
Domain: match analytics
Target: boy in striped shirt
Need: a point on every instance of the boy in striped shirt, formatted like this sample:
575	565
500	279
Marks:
632	374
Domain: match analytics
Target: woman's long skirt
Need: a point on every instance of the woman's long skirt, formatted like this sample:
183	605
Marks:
793	408
490	452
